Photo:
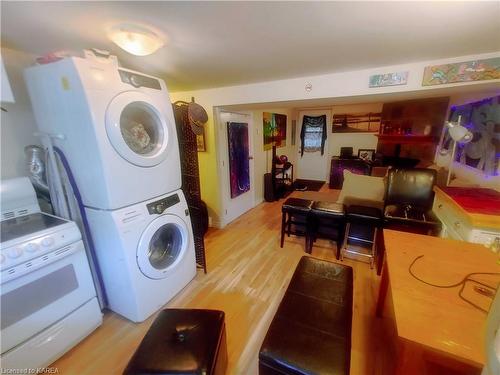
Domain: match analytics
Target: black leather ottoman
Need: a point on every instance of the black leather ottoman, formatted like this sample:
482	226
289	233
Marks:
327	220
294	215
311	331
183	341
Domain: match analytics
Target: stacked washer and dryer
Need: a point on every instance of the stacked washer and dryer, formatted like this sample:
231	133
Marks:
115	130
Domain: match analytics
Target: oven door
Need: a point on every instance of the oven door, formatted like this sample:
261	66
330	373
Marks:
34	301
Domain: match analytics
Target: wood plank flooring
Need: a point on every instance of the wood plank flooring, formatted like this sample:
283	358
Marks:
247	276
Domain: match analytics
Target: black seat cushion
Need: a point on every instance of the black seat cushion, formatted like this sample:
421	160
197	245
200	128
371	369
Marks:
297	205
311	331
357	213
410	213
181	341
328	209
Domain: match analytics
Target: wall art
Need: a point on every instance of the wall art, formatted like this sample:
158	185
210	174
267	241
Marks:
476	70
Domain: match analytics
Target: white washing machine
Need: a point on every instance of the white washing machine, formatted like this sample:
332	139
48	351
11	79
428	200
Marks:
147	253
115	127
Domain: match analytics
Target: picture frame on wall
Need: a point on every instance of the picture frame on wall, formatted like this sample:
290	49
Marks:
200	142
366	154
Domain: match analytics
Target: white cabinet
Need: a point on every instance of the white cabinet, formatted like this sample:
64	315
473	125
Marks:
461	225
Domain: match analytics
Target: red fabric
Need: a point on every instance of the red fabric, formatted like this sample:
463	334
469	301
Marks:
476	201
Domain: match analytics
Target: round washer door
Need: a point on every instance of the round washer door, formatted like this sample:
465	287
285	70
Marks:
137	129
162	246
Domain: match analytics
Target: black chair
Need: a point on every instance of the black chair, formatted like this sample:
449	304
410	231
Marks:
294	216
363	224
409	199
327	220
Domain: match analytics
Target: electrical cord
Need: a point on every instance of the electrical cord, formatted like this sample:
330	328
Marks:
462	283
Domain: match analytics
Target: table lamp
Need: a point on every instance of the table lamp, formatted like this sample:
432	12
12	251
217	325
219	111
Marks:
459	134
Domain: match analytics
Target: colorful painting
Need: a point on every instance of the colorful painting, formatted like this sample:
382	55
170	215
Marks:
482	119
477	70
239	166
356	122
389	79
274	130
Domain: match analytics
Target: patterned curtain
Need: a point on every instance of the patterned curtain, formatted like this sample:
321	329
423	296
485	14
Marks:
313	134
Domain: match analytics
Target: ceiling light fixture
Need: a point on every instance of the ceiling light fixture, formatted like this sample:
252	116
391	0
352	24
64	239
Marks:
137	40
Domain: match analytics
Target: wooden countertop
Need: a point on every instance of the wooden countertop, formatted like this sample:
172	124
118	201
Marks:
437	318
478	218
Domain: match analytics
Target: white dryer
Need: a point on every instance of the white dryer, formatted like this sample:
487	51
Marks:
116	128
147	253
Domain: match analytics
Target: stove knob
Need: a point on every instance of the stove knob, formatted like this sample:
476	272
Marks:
15	252
47	242
32	247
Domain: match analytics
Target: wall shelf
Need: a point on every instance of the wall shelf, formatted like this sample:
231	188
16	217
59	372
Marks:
406	139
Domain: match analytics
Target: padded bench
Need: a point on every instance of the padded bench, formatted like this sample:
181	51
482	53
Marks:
182	341
311	331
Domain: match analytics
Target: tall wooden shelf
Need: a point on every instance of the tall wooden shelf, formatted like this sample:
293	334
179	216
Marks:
403	125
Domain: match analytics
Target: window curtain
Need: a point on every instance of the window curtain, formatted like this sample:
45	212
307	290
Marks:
313	134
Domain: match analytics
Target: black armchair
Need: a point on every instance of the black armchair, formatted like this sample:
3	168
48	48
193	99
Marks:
408	201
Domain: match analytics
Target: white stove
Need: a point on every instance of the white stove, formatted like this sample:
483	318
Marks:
48	299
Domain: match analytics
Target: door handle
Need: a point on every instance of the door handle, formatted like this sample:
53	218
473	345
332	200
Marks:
250	157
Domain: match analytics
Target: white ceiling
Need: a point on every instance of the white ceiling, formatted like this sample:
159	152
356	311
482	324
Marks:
214	44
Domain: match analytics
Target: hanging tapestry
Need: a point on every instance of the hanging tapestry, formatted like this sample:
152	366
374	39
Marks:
482	119
274	130
313	134
239	166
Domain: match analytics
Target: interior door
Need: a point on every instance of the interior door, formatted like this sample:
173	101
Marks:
237	164
313	165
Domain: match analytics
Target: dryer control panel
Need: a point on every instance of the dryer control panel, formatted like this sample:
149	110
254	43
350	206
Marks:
159	206
138	80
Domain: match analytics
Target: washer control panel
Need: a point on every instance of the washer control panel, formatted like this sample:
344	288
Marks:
138	80
159	206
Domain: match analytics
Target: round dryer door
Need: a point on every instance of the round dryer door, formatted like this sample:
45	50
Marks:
137	129
162	246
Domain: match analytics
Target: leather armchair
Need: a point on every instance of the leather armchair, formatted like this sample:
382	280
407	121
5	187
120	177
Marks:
408	201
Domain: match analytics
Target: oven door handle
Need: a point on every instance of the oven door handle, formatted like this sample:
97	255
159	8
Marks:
49	336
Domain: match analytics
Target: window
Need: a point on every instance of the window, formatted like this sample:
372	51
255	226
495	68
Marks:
313	133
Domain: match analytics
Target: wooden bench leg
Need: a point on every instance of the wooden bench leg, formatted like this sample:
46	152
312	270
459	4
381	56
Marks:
382	292
283	226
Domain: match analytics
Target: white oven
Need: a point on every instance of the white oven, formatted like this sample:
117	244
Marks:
47	297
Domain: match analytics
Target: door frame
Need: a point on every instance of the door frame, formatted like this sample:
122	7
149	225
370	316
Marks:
226	213
326	154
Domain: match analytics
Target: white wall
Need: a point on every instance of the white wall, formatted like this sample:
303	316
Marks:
263	159
337	85
18	124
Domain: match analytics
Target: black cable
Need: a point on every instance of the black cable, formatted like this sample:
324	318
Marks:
460	283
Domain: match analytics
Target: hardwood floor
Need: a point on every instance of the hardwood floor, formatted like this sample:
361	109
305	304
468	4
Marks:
247	276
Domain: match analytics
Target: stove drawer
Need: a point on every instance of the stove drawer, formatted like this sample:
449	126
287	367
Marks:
36	300
46	347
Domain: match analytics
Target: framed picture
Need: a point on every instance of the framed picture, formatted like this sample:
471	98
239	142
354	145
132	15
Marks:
200	142
356	122
476	70
389	79
366	153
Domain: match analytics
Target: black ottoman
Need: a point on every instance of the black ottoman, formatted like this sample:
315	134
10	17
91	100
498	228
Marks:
183	341
311	331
